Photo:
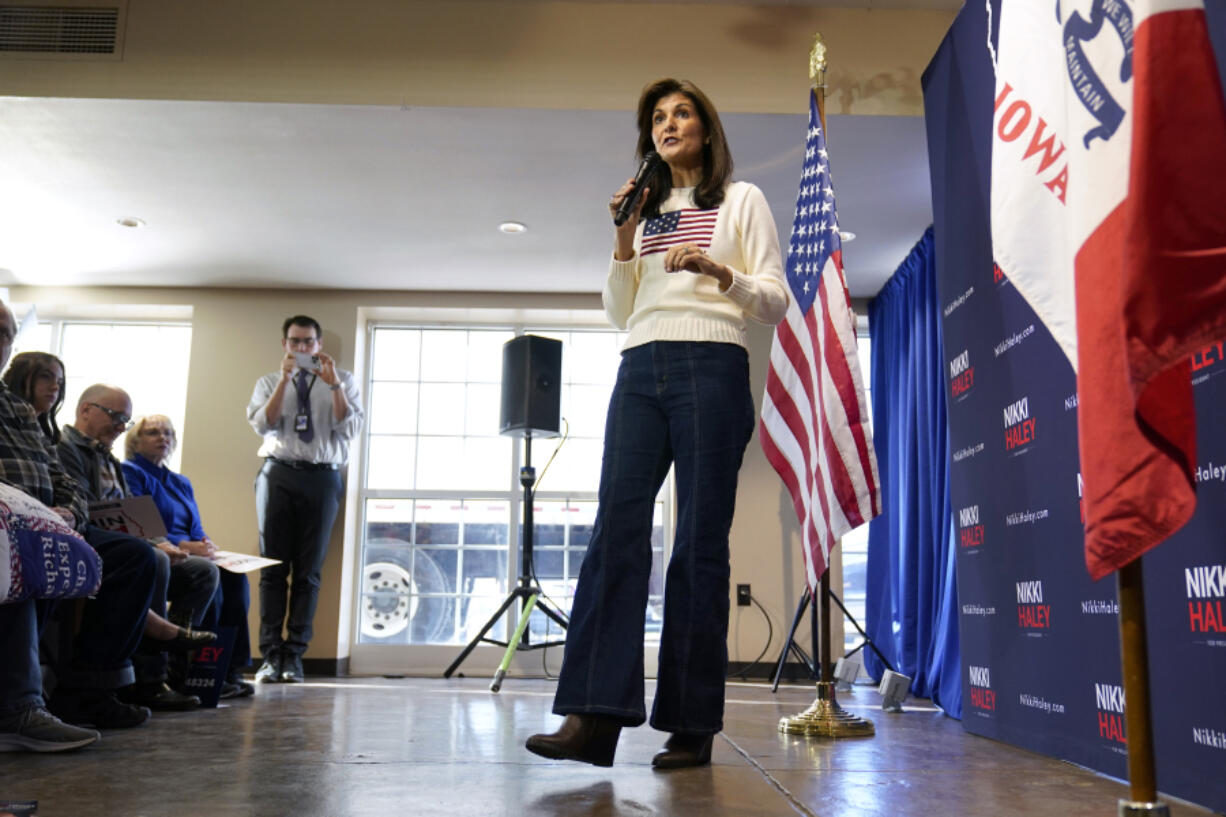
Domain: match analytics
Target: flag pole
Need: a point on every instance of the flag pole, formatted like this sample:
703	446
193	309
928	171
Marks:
817	74
1138	721
824	718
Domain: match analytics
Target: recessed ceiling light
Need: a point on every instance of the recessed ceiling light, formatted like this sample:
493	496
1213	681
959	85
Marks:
513	227
847	235
130	221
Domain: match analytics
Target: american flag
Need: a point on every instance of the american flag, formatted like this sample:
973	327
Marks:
679	227
814	426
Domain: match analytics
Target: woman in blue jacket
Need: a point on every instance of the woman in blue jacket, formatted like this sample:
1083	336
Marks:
147	447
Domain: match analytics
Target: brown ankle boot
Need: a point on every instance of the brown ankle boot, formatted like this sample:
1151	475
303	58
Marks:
588	738
681	751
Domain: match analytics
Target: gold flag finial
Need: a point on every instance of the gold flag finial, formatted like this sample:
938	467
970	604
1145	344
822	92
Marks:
817	62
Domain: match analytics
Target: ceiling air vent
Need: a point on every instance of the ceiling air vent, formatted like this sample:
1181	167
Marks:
40	31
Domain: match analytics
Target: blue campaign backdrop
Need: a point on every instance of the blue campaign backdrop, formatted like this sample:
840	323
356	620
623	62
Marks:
912	603
1039	641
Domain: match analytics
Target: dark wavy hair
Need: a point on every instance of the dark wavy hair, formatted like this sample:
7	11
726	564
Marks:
716	157
23	372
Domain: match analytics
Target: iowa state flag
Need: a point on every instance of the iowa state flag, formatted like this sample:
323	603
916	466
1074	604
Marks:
1108	215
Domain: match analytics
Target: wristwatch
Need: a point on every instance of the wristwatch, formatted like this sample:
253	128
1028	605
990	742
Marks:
335	386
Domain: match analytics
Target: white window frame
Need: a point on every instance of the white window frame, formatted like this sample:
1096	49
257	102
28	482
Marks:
58	318
368	658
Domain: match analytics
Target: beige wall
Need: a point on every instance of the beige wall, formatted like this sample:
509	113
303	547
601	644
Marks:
753	59
235	339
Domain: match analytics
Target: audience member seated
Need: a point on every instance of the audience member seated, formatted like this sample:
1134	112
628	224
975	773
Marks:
114	618
148	446
38	379
25	723
187	582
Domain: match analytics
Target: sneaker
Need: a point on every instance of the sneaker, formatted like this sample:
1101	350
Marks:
236	689
37	730
98	708
235	685
291	669
270	671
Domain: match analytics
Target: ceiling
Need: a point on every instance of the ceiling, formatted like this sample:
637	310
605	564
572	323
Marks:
266	194
371	197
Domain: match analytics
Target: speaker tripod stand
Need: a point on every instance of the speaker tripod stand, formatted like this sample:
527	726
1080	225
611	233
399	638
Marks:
814	668
527	592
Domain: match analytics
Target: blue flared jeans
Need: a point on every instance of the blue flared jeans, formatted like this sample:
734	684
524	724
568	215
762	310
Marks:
682	404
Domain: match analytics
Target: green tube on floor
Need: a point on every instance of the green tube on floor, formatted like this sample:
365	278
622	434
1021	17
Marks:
513	644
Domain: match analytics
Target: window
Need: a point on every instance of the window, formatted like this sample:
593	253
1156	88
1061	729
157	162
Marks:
147	360
855	544
441	495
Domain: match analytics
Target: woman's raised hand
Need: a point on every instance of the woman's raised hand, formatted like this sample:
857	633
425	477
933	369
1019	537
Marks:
690	257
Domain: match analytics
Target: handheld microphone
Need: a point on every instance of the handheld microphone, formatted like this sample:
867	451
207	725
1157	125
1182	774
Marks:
647	168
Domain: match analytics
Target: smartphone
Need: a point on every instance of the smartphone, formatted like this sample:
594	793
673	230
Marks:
308	362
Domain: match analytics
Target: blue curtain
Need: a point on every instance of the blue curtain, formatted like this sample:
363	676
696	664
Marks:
912	601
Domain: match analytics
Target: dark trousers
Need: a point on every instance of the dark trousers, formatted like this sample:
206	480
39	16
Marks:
295	511
114	619
229	609
187	589
681	404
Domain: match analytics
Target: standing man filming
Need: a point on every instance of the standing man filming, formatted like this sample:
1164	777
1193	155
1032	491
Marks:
307	413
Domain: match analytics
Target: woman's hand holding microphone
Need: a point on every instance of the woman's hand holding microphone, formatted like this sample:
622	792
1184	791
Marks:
682	257
624	233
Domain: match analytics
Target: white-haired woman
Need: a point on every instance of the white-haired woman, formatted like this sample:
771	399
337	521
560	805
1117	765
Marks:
147	448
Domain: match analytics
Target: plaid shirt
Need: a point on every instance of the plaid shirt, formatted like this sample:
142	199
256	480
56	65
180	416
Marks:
28	460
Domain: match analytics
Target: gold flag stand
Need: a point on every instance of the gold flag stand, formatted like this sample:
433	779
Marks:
825	718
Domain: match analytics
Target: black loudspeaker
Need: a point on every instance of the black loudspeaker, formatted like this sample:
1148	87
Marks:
531	387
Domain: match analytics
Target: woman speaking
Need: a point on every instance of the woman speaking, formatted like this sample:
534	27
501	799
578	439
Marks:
696	257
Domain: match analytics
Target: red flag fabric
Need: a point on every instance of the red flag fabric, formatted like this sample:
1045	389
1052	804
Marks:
814	426
1109	151
1151	284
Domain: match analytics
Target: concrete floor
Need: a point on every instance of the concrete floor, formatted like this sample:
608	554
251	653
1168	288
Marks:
434	747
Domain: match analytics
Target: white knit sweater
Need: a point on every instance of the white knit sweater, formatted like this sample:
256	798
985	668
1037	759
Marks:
657	305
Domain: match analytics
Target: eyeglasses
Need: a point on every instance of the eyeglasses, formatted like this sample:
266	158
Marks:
301	341
118	418
151	431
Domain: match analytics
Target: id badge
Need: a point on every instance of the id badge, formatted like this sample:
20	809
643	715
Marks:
302	422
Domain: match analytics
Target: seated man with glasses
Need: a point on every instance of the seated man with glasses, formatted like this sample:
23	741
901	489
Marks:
306	412
187	582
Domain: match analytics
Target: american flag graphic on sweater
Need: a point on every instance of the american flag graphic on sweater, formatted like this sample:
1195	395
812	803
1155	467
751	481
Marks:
679	227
